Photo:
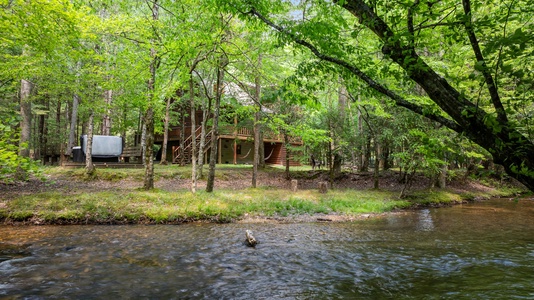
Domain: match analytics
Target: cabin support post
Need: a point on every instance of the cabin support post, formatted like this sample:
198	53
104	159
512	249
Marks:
235	140
219	150
235	152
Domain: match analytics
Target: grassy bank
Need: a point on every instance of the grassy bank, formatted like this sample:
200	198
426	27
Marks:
126	206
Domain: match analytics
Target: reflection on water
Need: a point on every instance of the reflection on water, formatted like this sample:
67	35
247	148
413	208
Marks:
476	251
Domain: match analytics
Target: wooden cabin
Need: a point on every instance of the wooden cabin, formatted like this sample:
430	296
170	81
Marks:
235	143
235	140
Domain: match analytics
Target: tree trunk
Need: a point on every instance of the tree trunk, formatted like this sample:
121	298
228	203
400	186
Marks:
149	115
380	156
202	145
58	147
256	161
43	134
257	135
182	137
26	90
89	167
366	154
360	134
496	134
376	166
106	119
41	139
149	152
143	140
442	177
193	135
387	158
261	151
286	143
165	132
223	61
73	123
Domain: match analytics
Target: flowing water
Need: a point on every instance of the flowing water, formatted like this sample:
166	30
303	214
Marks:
475	251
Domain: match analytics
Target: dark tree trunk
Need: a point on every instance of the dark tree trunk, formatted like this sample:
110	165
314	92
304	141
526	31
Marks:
261	163
286	142
43	134
257	142
376	169
495	134
387	158
58	142
223	61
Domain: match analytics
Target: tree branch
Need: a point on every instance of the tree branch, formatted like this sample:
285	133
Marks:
356	71
494	94
410	24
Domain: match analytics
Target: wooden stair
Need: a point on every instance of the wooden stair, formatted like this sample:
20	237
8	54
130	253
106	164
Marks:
183	153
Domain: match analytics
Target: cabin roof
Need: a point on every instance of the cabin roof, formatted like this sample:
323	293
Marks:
242	96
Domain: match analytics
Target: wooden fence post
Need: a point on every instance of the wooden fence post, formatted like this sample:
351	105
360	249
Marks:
294	185
323	187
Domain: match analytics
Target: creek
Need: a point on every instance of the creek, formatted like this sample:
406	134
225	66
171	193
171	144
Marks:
482	250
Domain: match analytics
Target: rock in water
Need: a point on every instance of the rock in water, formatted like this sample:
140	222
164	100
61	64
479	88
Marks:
251	240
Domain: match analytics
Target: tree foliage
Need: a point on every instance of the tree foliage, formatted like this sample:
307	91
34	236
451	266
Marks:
463	68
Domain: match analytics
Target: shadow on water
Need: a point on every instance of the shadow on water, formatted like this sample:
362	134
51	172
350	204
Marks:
477	251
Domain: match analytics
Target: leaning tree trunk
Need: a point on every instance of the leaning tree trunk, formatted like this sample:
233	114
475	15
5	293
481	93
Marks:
89	166
492	131
26	89
215	130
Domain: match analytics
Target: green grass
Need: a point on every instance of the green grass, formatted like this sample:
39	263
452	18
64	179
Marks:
159	206
220	206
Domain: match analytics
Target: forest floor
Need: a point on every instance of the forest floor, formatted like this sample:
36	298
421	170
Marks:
174	181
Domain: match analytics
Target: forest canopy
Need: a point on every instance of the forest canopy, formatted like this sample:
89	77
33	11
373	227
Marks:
420	85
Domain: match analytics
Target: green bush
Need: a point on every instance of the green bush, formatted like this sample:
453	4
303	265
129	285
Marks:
13	167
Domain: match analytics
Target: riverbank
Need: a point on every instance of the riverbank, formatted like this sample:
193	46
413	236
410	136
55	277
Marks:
114	196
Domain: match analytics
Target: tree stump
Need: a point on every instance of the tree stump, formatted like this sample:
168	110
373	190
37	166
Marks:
323	187
294	185
251	241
